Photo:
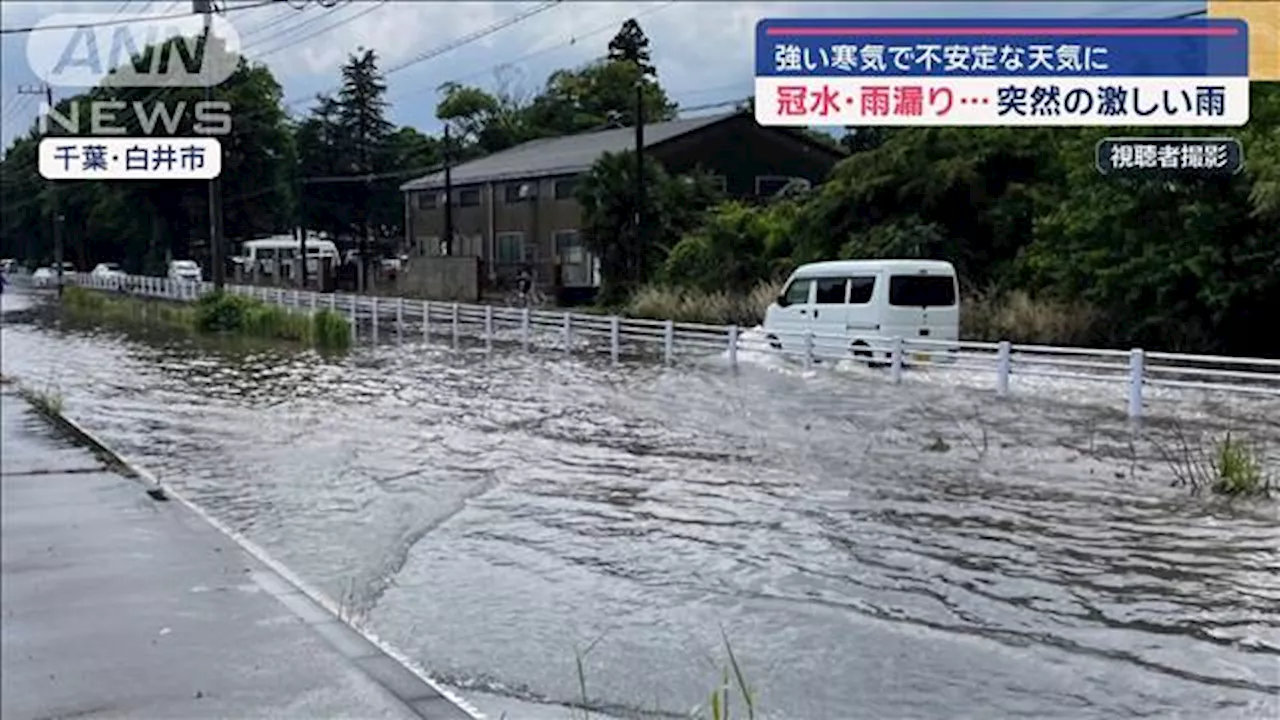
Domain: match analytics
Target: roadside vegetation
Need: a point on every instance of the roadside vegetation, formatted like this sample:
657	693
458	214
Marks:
1227	465
217	313
1048	250
48	401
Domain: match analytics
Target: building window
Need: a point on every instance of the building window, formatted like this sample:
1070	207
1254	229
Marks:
569	246
770	185
510	248
427	199
520	192
566	188
469	197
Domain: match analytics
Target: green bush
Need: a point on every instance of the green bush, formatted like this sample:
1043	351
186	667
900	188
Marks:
219	312
331	330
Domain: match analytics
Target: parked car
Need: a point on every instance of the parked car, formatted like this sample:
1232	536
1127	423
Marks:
108	274
44	277
185	271
855	308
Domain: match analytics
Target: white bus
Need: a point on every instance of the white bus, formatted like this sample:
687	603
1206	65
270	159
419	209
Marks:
261	256
854	308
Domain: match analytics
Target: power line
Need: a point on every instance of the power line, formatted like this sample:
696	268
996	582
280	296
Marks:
289	29
468	39
122	21
573	40
376	6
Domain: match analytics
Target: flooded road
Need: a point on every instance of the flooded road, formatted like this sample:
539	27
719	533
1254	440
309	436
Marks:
918	551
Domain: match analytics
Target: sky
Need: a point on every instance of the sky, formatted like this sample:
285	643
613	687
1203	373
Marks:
703	50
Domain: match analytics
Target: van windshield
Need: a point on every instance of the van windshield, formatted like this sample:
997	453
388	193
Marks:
922	291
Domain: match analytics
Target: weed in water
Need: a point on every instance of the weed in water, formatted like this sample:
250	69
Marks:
1231	467
47	401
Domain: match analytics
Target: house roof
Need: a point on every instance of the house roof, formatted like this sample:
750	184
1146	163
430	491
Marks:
567	155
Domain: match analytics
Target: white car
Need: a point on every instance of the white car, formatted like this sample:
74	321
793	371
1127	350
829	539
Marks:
858	308
44	277
107	274
185	271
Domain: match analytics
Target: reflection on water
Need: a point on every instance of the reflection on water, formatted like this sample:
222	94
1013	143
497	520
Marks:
920	551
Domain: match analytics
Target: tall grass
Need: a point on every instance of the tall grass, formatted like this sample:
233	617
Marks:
659	302
1021	318
220	313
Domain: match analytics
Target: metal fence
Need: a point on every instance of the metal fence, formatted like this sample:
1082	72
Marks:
374	318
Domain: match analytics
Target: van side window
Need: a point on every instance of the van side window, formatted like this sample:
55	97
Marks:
798	292
830	291
861	289
922	291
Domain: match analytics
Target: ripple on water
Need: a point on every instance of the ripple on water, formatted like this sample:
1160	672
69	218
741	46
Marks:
493	516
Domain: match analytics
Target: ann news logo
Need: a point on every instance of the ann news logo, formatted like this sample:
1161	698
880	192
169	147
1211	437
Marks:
77	50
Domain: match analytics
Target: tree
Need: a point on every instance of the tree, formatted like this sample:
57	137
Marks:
675	205
363	132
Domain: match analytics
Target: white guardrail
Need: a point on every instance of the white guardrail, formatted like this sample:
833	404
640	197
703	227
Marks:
1133	370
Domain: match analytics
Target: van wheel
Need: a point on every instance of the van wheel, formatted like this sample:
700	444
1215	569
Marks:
862	351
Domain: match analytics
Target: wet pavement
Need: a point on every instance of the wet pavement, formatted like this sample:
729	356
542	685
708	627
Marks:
115	605
922	551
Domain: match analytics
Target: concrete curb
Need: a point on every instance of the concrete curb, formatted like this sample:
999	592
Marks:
287	586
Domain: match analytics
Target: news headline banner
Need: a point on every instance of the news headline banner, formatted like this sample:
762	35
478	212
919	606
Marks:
1192	72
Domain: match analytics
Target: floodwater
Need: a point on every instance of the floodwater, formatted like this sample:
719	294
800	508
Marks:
920	551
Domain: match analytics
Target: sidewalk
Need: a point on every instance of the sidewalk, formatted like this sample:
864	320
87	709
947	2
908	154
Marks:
116	605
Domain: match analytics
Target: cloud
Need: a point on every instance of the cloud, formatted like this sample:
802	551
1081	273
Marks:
703	50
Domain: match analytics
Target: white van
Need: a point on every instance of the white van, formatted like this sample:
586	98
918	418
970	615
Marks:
855	308
261	256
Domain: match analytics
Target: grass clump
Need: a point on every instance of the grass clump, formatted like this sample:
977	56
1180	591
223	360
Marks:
48	401
223	313
1227	466
659	302
1020	318
331	330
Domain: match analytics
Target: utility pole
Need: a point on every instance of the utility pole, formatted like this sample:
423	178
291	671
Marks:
54	203
448	195
206	8
300	229
640	246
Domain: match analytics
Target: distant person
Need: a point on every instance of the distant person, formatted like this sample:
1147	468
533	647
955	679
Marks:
524	281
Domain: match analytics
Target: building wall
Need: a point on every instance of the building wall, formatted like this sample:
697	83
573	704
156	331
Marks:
737	149
537	218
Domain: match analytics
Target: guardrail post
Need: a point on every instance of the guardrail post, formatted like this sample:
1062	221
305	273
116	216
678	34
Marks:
297	298
1004	363
455	326
426	321
669	342
399	318
568	332
808	349
355	321
488	328
314	300
524	328
1137	362
615	341
895	370
373	313
733	345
